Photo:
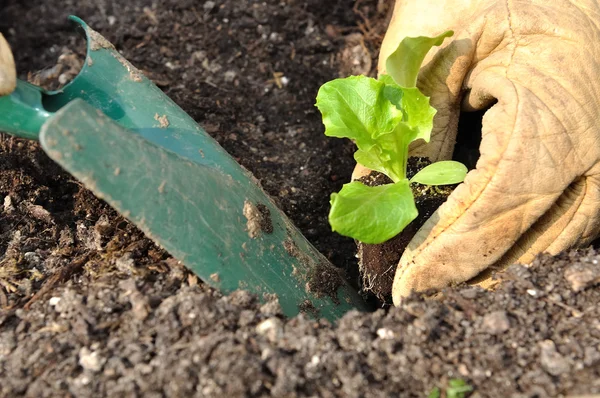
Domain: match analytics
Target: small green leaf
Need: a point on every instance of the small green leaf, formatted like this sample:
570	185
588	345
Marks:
404	63
416	111
435	393
419	113
370	160
372	214
445	172
356	108
387	79
457	388
393	93
380	116
393	150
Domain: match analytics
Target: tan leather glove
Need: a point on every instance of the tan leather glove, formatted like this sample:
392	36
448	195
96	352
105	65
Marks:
536	187
8	73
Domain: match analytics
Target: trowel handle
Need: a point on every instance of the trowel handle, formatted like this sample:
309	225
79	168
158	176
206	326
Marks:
22	112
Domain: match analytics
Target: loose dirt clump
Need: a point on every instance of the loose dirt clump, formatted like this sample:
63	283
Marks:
325	280
258	219
307	307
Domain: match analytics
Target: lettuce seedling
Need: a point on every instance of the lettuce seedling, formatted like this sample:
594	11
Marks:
383	116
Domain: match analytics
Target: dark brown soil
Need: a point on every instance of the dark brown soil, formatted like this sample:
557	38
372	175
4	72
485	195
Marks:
90	307
377	262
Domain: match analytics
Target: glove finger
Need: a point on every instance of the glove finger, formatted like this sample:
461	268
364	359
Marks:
585	225
573	221
8	72
516	181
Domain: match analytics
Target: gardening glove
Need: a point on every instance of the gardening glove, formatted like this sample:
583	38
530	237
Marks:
536	186
8	72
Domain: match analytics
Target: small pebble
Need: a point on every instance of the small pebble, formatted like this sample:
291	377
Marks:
552	361
54	301
271	328
496	322
591	356
8	204
271	308
385	334
581	276
469	293
229	76
90	360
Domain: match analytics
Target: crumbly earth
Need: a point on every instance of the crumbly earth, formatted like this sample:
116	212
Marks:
536	336
90	307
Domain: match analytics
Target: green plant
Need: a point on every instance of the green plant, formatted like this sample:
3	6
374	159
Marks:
457	388
383	116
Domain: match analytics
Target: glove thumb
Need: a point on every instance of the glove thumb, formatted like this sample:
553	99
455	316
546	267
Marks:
8	72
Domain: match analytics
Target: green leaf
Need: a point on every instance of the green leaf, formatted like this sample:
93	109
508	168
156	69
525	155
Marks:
457	388
370	112
393	93
419	113
370	160
372	214
404	63
393	151
435	393
387	79
389	155
445	172
416	111
356	108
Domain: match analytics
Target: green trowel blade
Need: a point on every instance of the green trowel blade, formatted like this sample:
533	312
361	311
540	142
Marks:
221	226
121	136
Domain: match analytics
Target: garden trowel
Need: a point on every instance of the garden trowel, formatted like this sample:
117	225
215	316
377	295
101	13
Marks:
127	142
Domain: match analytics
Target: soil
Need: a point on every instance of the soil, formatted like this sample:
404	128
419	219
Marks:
377	262
90	307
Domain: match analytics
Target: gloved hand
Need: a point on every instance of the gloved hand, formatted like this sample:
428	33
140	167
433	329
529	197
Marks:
8	73
536	187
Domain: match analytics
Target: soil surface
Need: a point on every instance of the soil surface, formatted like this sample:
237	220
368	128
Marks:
90	307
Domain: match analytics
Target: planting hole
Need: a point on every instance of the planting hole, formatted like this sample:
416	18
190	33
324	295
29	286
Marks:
468	138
